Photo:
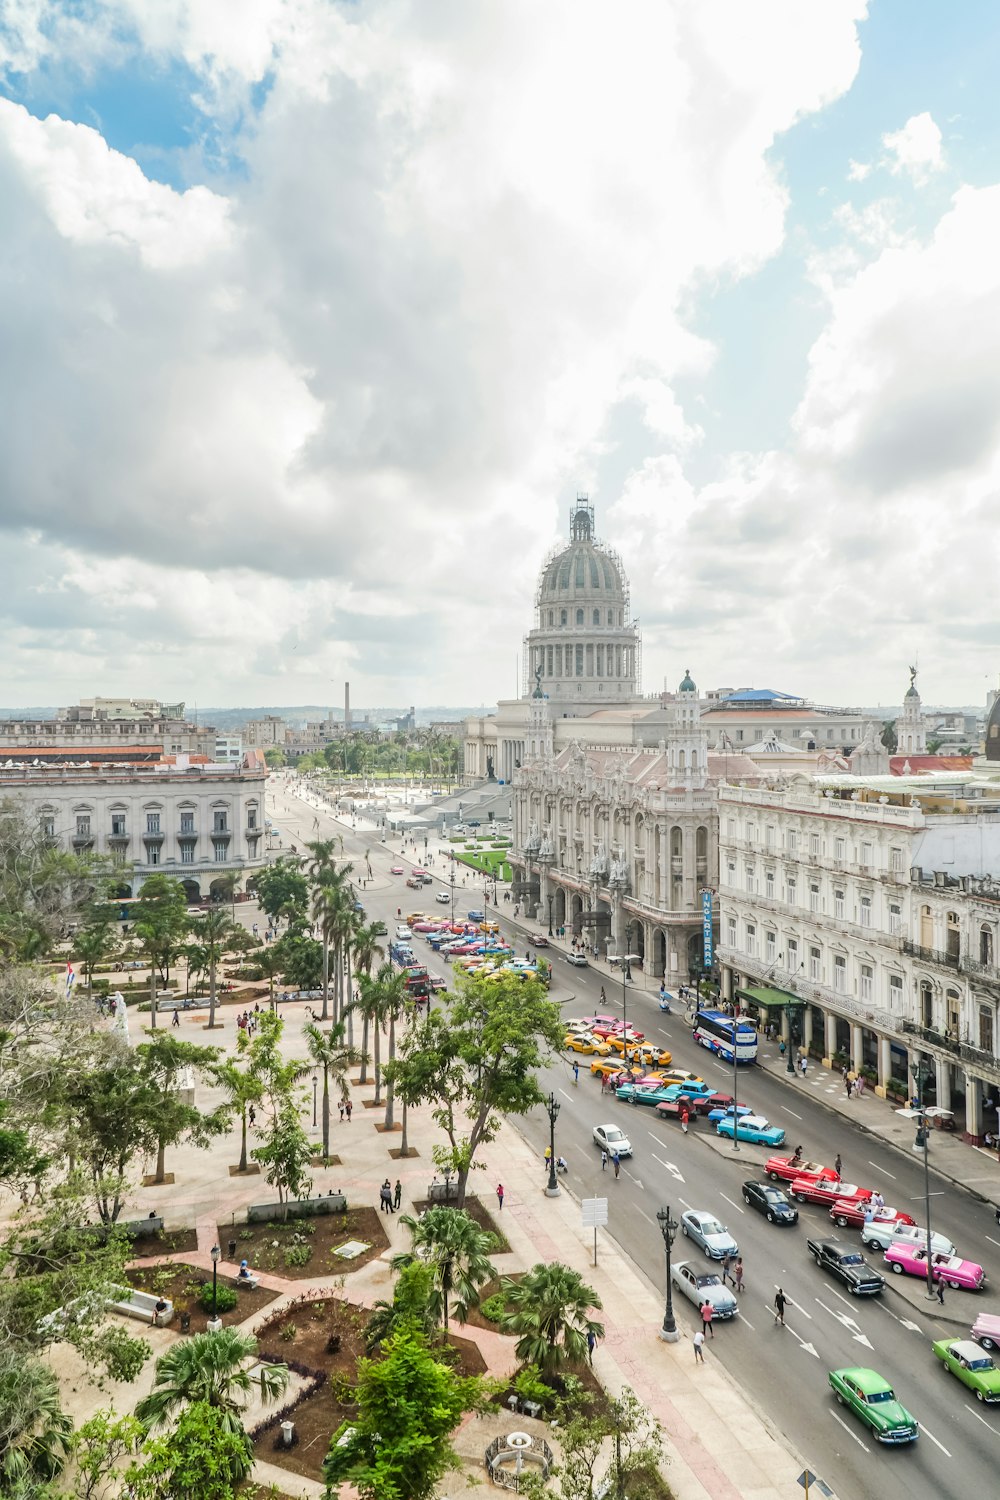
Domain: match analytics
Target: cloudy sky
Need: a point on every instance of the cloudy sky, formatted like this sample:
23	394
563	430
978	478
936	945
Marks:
315	317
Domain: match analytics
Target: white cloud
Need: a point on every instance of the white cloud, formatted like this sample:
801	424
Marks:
915	149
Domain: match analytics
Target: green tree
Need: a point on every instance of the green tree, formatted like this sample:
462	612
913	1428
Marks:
457	1252
212	934
283	890
161	924
99	1446
285	1154
275	757
329	904
35	1432
242	1086
270	963
204	1458
548	1311
329	1052
479	1061
93	947
412	1304
114	1109
163	1060
301	960
636	1441
888	736
210	1367
395	1005
398	1447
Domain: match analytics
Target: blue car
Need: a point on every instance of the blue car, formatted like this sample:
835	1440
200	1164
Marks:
633	1095
688	1090
476	916
753	1128
715	1115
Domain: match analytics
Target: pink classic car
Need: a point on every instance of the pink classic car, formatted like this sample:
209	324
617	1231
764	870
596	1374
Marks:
951	1269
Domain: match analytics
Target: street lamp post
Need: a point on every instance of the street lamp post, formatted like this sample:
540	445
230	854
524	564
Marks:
792	1009
921	1071
552	1110
315	1081
550	913
668	1228
627	959
215	1323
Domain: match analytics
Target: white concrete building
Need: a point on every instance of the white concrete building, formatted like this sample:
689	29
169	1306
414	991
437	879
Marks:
197	823
863	912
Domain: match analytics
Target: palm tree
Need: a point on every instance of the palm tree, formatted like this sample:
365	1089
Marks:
328	1052
457	1252
270	963
548	1309
93	947
36	1433
212	933
369	1005
366	949
210	1367
242	1087
396	1004
328	902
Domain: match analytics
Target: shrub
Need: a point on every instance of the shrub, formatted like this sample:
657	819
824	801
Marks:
494	1307
298	1255
288	1333
226	1298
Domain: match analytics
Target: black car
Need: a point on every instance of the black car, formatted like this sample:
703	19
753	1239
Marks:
848	1265
771	1202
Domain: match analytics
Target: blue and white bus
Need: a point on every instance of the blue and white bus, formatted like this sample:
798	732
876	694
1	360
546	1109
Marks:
714	1029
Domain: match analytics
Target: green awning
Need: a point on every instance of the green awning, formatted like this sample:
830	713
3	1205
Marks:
768	998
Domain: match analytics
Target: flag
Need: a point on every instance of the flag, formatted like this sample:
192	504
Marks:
70	977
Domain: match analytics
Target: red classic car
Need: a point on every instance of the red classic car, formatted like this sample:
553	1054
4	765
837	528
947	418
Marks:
849	1213
826	1190
786	1169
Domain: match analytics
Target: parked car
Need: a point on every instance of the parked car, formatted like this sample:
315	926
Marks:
881	1236
644	1091
540	942
403	933
726	1111
963	1358
786	1169
827	1190
848	1265
611	1139
690	1091
581	1041
769	1201
951	1269
395	869
849	1213
753	1128
870	1396
437	983
701	1286
986	1330
705	1230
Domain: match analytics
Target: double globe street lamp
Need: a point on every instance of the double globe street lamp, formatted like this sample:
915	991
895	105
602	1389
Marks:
552	1109
668	1228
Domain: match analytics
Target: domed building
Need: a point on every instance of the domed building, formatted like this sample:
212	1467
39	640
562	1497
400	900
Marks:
584	647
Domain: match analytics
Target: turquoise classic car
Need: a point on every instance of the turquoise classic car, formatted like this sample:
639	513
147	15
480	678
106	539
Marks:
752	1128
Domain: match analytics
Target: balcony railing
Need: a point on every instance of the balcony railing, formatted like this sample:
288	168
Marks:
943	1039
971	965
932	955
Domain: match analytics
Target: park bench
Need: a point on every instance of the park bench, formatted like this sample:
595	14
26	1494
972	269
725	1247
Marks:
142	1305
441	1192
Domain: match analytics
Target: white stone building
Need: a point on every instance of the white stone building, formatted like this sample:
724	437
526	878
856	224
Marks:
862	911
196	822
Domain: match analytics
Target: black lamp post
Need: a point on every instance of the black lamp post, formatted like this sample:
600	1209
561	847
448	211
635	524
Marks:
315	1081
668	1228
550	913
552	1109
215	1325
793	1009
627	959
921	1072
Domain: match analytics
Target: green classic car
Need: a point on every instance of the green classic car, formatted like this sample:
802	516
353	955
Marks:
972	1365
874	1401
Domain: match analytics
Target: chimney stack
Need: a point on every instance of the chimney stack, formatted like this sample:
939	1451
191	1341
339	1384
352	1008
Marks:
347	705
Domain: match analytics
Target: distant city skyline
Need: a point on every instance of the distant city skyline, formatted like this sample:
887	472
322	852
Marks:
318	316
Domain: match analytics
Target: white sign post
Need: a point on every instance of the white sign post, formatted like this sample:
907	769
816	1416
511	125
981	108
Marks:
595	1217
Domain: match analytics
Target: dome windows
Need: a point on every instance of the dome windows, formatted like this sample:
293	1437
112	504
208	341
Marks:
579	617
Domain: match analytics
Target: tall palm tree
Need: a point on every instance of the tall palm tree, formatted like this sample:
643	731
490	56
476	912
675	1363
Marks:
366	949
327	1050
457	1252
270	963
242	1087
210	1367
212	933
548	1308
396	1004
328	900
369	1006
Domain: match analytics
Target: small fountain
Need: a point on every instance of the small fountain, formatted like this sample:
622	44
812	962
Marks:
506	1458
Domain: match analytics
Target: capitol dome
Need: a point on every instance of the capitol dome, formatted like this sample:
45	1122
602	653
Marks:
583	646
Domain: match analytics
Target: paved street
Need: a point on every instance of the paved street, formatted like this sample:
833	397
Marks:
783	1370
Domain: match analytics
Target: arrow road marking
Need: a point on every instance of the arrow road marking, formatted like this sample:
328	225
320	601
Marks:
670	1168
904	1322
849	1432
806	1348
636	1180
847	1323
991	1239
933	1439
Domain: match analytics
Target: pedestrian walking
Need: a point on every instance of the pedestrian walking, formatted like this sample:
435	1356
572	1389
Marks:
397	1196
738	1274
617	1164
500	1194
177	1017
576	1072
727	1266
591	1344
684	1120
347	1110
341	1107
940	1290
707	1313
699	1341
604	1160
847	1083
837	1164
780	1301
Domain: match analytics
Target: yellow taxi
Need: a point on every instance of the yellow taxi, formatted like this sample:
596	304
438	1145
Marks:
606	1067
489	927
582	1041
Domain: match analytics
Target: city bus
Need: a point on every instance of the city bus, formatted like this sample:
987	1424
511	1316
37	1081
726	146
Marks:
714	1029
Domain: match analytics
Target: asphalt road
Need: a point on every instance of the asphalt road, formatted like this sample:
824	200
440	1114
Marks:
784	1370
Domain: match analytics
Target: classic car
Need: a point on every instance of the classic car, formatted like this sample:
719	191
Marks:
753	1128
951	1269
873	1399
689	1091
787	1168
975	1369
848	1265
395	869
703	1286
578	960
704	1228
615	1029
643	1091
851	1213
581	1041
443	897
881	1236
611	1139
827	1190
769	1201
726	1110
986	1330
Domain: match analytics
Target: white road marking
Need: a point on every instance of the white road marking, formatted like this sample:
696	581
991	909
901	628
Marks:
786	1111
645	1215
565	1095
979	1417
746	1321
636	1180
670	1168
849	1432
933	1439
737	1207
684	1204
881	1169
847	1323
991	1239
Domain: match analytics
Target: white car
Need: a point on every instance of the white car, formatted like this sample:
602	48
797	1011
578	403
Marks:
578	960
611	1139
403	934
881	1236
443	897
704	1228
703	1286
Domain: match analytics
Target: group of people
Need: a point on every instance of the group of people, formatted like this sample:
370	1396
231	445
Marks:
390	1198
854	1083
248	1020
615	1160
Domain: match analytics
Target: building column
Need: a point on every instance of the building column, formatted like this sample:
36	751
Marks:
807	1027
857	1047
884	1062
942	1070
973	1109
727	982
829	1035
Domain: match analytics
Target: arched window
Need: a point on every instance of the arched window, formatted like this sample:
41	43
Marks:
563	617
552	617
597	617
985	944
579	617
